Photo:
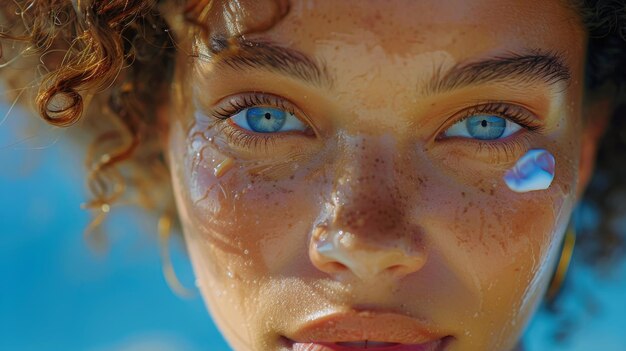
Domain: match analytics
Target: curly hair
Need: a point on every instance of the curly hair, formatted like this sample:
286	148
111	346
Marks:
114	52
603	238
121	54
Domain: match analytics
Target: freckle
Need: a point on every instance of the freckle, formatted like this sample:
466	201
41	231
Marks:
463	193
223	167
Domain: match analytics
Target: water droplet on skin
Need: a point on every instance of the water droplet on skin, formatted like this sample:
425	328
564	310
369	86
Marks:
223	167
196	144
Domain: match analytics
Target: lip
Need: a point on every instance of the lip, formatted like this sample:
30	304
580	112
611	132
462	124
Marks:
437	345
400	332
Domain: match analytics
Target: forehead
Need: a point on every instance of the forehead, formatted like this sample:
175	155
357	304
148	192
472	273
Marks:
460	27
381	55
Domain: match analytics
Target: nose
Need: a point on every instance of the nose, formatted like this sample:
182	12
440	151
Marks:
341	252
365	230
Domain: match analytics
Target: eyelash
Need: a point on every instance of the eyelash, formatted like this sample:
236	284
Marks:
513	113
242	102
247	139
508	146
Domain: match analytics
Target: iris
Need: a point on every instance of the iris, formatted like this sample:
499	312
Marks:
265	119
486	127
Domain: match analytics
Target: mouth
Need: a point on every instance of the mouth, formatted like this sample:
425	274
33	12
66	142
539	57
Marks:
366	330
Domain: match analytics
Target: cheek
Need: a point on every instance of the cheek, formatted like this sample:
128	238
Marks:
497	243
250	216
490	221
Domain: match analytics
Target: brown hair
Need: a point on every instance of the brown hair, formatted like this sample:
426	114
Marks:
117	54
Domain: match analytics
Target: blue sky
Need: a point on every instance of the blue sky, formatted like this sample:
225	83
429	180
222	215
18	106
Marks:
59	294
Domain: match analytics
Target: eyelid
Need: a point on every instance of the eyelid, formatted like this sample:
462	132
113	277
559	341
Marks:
242	141
512	112
233	104
230	105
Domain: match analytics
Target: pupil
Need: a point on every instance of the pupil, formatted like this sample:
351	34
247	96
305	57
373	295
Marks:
483	123
268	115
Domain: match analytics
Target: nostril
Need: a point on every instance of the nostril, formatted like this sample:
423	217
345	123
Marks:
335	267
395	268
322	257
399	270
329	266
414	262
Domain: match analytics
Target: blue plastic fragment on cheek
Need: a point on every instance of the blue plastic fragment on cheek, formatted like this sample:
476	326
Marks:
533	171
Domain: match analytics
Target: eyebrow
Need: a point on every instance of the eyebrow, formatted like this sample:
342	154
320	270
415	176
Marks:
241	54
531	67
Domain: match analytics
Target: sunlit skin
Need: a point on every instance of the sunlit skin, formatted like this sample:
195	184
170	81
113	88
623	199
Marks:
374	207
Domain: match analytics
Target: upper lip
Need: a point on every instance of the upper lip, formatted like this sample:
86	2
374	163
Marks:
366	325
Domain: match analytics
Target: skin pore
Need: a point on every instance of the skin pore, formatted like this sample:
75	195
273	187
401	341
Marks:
369	205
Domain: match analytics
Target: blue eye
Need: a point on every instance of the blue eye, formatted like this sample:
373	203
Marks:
483	127
267	120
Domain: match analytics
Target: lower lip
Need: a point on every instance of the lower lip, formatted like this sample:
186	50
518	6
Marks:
431	346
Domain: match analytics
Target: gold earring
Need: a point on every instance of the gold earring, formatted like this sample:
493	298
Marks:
165	230
561	269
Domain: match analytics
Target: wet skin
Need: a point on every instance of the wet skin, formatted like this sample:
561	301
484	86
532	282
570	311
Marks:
373	206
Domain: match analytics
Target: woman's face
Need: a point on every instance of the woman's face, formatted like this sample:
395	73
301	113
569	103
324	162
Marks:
331	189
